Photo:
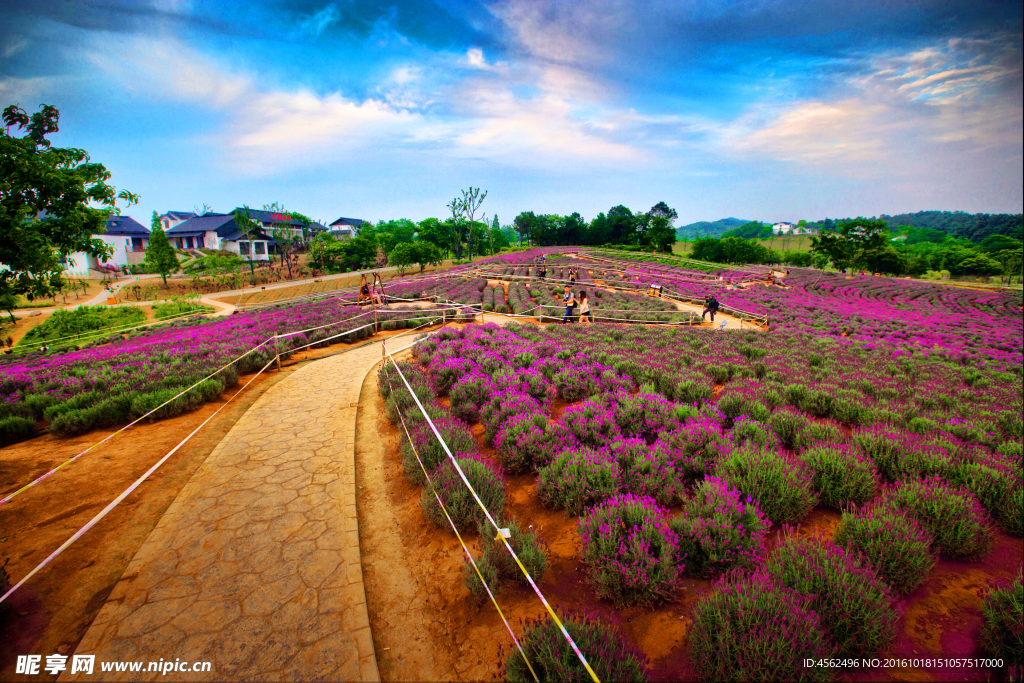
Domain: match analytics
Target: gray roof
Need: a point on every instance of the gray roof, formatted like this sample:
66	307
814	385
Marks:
125	225
180	215
204	224
348	221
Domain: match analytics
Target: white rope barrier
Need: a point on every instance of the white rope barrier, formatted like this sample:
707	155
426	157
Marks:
455	529
124	494
490	518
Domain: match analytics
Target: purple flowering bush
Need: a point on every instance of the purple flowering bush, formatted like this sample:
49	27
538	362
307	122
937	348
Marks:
782	486
842	475
789	425
858	610
992	480
577	479
608	652
487	480
719	529
960	527
573	383
496	564
425	444
747	431
630	550
895	546
695	449
501	406
521	442
646	471
753	628
644	415
469	393
447	370
1002	631
591	423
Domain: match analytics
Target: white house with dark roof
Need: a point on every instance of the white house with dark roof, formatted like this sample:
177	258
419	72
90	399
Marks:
219	231
125	235
172	218
344	228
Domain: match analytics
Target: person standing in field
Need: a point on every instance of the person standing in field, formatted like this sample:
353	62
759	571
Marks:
586	317
710	306
570	302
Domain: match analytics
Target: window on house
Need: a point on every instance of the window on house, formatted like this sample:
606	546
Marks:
261	248
243	247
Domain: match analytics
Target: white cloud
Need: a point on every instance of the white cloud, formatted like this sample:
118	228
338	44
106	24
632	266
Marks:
910	117
19	90
318	22
13	46
267	130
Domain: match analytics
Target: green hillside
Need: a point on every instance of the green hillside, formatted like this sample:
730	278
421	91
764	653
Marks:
708	228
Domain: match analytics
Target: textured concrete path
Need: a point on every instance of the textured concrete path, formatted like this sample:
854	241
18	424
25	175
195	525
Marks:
255	565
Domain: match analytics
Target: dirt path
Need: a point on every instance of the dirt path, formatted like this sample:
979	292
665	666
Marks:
255	566
55	608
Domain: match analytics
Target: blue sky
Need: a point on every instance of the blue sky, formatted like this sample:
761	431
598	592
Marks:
766	109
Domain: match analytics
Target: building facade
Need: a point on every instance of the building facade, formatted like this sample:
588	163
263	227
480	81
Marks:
127	237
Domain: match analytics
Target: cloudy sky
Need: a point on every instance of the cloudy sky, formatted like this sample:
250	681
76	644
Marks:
759	109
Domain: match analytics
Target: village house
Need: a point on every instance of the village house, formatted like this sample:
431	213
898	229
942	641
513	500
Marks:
219	231
344	228
125	235
172	218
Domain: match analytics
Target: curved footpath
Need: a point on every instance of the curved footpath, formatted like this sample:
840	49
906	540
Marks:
255	566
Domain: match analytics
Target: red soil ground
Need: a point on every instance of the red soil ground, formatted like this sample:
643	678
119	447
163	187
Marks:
427	626
54	609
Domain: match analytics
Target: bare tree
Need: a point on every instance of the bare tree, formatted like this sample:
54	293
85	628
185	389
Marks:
471	201
201	210
457	209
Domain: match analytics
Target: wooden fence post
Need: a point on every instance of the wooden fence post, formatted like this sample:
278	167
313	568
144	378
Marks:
277	350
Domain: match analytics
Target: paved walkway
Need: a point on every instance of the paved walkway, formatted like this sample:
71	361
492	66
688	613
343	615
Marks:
255	566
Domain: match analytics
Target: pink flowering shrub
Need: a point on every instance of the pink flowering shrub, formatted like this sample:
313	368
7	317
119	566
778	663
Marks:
960	527
895	546
646	471
719	529
753	628
858	610
695	449
574	383
521	442
842	475
606	649
469	394
591	423
1002	631
644	415
782	486
577	479
630	550
446	371
501	406
487	480
425	444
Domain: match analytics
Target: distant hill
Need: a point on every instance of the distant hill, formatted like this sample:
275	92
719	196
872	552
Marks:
970	226
704	228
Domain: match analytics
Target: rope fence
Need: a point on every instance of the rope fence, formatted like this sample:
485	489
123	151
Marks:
490	518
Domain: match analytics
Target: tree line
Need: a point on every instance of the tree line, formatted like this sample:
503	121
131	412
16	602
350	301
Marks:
652	229
870	244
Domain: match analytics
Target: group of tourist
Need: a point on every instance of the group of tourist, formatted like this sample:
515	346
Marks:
570	301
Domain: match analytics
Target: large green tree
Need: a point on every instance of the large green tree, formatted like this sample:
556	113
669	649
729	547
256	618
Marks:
858	241
160	256
52	201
